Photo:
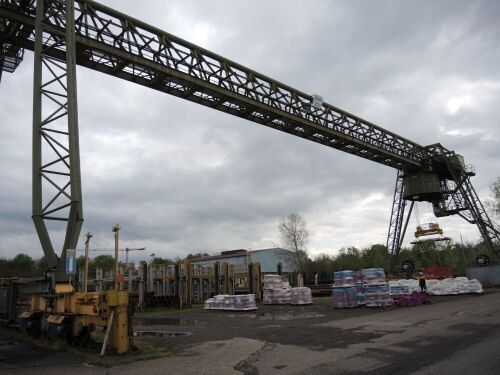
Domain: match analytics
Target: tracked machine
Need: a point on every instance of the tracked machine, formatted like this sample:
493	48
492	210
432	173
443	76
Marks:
66	33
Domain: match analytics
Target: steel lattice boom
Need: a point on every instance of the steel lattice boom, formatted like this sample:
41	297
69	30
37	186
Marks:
111	42
119	45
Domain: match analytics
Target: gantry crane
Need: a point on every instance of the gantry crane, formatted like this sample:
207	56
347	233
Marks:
66	33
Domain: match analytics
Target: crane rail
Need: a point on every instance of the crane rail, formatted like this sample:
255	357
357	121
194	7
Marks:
117	44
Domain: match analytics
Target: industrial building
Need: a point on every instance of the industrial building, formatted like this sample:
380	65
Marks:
273	260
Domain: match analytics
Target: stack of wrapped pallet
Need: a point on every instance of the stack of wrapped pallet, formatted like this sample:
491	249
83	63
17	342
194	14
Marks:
243	302
301	296
276	291
377	295
374	276
343	278
344	297
450	286
344	291
215	303
376	289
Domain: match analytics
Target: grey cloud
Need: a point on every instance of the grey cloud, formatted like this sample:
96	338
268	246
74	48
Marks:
182	178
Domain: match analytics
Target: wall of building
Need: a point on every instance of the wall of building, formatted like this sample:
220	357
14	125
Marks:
486	275
231	260
269	259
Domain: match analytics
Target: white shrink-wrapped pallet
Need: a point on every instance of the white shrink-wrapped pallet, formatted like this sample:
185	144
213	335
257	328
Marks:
450	286
244	302
273	282
208	304
301	296
275	291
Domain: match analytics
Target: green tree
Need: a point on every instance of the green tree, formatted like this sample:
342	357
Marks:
105	262
23	265
348	259
375	256
5	269
322	263
159	260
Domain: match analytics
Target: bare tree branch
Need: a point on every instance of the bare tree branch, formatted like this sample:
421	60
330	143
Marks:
294	237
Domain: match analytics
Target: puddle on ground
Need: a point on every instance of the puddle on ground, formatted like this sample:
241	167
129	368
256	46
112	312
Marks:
7	343
271	326
165	322
160	334
278	316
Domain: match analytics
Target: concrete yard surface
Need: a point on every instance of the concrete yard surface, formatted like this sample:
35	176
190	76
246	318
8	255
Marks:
455	334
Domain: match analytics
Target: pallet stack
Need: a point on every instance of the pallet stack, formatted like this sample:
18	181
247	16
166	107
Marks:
275	291
301	296
228	302
344	291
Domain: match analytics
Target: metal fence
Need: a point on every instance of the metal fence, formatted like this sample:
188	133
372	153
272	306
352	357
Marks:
486	275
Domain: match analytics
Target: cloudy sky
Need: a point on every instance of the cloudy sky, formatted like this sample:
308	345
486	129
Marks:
182	178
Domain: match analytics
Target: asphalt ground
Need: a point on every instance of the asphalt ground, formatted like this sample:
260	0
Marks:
453	334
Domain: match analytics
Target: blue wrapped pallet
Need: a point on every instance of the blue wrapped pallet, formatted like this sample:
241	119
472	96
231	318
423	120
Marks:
344	297
343	278
374	276
377	295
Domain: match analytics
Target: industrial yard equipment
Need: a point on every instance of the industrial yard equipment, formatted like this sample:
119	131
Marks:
64	34
95	36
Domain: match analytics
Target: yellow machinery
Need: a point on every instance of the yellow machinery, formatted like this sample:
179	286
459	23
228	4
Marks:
428	230
75	316
58	311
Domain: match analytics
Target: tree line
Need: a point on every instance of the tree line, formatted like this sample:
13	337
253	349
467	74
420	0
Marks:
23	265
424	254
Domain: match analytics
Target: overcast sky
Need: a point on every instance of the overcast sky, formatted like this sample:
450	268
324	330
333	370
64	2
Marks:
182	178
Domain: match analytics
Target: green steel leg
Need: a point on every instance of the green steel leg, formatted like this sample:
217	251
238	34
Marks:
56	157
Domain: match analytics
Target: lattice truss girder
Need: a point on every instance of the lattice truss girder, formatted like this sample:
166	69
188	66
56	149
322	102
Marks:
399	217
464	201
56	169
116	44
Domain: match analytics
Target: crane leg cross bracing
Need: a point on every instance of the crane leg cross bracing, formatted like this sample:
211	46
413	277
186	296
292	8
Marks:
63	33
56	166
444	182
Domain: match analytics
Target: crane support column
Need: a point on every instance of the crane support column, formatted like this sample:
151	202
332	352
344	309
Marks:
56	158
396	232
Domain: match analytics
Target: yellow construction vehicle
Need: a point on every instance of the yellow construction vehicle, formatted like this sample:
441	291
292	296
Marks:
58	311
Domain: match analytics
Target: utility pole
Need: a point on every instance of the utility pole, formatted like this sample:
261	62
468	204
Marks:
116	231
88	236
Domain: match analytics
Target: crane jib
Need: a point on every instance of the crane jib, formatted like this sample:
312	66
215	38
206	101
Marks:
116	44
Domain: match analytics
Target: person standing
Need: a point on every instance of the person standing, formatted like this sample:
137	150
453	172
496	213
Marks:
422	282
